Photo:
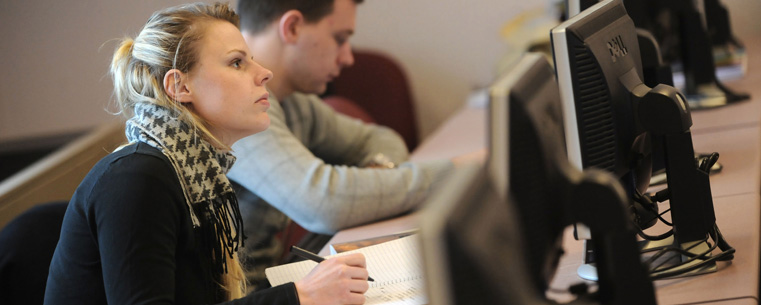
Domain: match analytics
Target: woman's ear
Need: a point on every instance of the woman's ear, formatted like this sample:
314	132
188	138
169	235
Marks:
176	87
289	26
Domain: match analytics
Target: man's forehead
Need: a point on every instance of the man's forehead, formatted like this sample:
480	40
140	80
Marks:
343	16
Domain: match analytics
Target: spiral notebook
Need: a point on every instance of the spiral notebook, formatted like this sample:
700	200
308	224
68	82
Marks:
395	265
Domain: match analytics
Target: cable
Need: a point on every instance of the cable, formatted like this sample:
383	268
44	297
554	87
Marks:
649	205
707	162
679	251
719	241
713	238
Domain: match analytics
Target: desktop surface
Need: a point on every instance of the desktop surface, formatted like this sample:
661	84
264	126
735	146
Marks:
732	130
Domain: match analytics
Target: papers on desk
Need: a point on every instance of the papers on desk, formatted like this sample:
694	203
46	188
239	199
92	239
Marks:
395	266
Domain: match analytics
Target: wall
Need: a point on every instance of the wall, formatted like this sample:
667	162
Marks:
745	13
54	54
448	48
54	59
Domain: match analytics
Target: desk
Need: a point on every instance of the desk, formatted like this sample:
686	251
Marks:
736	201
734	131
466	128
740	153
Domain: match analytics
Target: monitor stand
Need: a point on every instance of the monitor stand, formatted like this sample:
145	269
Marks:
588	268
663	111
659	176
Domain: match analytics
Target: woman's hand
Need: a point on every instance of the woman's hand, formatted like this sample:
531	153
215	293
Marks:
337	280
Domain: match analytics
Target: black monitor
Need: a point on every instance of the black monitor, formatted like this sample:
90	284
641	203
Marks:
610	115
684	33
657	70
494	234
594	52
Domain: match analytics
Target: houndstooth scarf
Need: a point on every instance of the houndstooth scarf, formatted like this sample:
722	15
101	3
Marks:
201	170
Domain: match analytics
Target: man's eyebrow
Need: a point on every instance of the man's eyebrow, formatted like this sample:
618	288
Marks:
347	32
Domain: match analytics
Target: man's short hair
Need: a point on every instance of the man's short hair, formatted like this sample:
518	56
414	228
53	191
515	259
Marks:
256	15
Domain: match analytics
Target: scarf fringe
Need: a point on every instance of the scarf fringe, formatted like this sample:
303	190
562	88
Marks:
224	232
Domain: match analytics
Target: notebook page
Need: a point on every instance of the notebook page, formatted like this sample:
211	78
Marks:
395	266
292	272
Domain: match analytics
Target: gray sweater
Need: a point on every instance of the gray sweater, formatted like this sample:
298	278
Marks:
308	165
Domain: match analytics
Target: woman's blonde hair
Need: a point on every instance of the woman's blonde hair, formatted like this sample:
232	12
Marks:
169	41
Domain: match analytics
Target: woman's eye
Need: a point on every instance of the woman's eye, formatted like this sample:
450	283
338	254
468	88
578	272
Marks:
236	63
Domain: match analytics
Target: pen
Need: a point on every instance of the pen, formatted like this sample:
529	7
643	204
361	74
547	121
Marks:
314	257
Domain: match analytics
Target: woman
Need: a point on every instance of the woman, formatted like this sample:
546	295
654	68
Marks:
157	221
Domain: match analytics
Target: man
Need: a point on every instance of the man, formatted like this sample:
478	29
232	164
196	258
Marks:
320	168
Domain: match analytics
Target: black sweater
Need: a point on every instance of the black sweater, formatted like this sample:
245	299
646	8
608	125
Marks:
127	238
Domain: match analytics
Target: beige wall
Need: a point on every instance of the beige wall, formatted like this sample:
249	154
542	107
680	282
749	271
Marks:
745	17
448	47
54	58
54	54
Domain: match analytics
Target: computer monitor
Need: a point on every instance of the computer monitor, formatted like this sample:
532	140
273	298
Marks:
610	115
494	234
686	31
654	69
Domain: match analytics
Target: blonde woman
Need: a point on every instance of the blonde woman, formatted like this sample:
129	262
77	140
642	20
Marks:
157	222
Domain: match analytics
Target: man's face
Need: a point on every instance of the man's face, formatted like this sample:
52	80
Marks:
323	49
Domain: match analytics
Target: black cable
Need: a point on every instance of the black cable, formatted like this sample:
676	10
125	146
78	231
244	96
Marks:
719	257
707	162
722	243
649	201
649	205
676	248
719	241
641	233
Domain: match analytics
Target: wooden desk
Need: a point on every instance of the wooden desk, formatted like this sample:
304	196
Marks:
462	133
736	201
734	131
739	153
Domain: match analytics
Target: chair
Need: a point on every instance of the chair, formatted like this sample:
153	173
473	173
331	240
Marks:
349	107
378	85
27	244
